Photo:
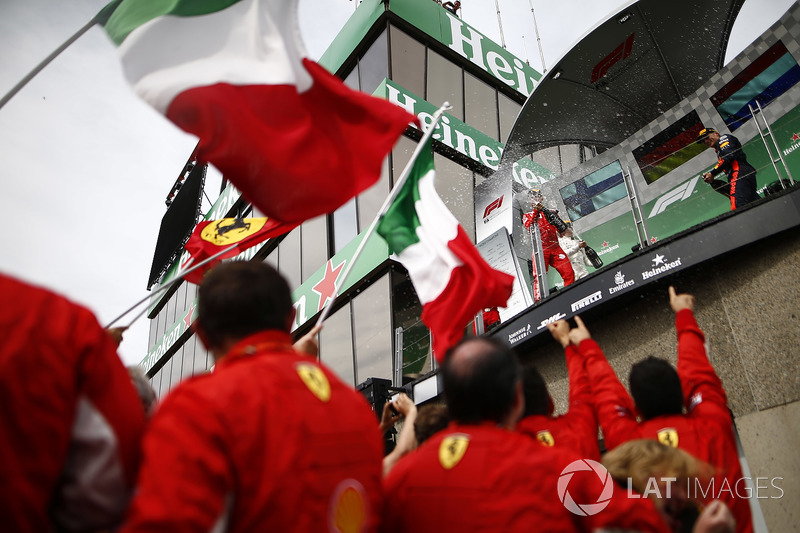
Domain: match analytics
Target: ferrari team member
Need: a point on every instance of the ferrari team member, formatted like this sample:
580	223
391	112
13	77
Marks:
552	253
70	419
480	475
741	186
575	430
660	395
271	440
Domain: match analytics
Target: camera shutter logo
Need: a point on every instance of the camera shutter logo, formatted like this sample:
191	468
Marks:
585	509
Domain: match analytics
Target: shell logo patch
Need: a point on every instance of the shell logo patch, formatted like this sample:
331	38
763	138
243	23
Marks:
545	437
314	378
227	231
668	436
348	508
452	450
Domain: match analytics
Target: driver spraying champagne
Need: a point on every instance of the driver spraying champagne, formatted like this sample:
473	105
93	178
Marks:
549	227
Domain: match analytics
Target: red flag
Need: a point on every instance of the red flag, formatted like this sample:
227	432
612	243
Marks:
289	135
213	236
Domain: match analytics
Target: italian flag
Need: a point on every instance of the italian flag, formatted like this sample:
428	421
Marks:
292	137
453	282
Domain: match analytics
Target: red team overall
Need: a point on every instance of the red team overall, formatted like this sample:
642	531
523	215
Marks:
552	252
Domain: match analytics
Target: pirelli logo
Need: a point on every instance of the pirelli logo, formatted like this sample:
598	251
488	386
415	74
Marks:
589	300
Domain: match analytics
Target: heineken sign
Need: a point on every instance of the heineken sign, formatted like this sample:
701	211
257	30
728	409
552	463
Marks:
462	137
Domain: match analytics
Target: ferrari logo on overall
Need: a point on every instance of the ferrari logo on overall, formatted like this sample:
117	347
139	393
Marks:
545	437
668	436
314	378
227	231
452	450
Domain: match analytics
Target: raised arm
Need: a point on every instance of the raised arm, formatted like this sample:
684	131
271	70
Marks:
702	389
613	405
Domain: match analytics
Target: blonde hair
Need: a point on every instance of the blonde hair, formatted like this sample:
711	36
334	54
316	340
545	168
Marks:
644	459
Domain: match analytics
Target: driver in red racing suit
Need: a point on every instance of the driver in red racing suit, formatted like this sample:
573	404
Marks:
552	252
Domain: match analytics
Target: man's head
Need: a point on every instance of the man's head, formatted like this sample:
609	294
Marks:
537	397
535	196
481	379
240	298
656	388
708	136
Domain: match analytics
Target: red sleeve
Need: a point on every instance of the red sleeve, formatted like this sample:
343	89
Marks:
612	403
703	393
581	413
185	480
622	512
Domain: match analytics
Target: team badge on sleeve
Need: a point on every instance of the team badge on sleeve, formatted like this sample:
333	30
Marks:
452	450
314	378
668	436
348	508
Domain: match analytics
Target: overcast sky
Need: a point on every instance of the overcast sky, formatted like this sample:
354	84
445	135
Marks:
86	166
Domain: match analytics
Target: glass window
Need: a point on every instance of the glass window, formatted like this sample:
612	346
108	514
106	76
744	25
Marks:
166	375
345	225
454	184
201	356
480	106
289	264
169	311
372	320
314	245
374	65
408	62
371	200
509	110
401	154
161	320
406	311
155	382
177	366
594	191
352	79
188	358
336	345
445	84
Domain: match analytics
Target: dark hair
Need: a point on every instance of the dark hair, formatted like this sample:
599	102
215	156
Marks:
480	387
240	298
537	397
430	419
656	388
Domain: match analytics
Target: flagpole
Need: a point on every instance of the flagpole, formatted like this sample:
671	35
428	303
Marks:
389	199
178	277
100	18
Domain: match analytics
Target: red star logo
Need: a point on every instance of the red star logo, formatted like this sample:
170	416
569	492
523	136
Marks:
653	239
326	287
605	244
795	136
188	318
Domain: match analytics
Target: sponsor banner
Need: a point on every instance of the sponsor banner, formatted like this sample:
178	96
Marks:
462	137
442	26
655	263
493	200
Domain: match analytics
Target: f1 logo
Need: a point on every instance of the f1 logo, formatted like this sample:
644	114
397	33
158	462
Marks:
492	206
620	52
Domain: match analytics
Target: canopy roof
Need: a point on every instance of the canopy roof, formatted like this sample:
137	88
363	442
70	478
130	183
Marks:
625	73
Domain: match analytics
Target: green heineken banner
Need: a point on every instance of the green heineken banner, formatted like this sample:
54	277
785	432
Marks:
441	25
462	137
